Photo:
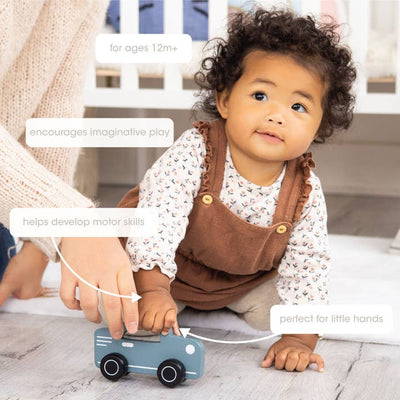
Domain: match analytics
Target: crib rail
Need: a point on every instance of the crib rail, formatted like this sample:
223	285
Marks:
173	96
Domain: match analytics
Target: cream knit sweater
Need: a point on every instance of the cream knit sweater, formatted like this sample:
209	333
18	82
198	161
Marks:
45	47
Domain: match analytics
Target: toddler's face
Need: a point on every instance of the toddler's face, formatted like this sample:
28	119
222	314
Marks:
274	110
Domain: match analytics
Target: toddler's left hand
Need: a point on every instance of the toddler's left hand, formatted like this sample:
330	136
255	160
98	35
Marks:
291	353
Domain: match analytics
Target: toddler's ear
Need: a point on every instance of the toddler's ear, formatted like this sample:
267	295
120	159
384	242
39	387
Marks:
222	101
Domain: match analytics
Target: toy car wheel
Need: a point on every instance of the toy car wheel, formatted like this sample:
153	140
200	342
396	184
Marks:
171	373
113	366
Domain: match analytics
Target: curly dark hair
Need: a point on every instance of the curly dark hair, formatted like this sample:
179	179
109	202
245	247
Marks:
313	45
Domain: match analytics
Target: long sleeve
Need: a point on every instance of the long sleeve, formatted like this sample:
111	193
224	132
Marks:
64	97
45	79
303	271
26	183
17	19
170	186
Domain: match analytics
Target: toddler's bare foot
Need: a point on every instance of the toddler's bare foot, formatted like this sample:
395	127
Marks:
23	275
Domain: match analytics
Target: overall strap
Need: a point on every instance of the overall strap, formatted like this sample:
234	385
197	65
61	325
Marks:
215	140
295	189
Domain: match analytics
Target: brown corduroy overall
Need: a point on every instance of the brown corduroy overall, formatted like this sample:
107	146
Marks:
222	257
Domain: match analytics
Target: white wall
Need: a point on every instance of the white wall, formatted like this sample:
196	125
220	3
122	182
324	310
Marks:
364	160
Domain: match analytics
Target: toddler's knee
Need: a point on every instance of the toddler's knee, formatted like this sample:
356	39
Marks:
258	319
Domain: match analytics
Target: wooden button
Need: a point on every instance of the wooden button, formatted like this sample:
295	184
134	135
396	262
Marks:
281	229
207	199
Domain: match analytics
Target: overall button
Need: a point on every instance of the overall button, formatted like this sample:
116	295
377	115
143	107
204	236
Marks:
207	199
281	229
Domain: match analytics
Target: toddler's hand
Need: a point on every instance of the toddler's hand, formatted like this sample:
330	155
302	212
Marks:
103	263
157	312
292	353
23	275
157	309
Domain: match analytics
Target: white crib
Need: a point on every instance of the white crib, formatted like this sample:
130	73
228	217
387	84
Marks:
173	96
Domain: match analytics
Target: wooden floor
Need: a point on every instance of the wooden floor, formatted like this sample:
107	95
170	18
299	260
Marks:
44	357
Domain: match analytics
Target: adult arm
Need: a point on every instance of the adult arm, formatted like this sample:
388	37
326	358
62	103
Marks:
45	79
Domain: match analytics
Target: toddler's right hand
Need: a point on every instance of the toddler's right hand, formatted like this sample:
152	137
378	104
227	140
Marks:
157	312
157	309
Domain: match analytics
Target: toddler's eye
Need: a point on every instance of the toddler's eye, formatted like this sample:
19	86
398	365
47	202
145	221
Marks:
299	107
260	96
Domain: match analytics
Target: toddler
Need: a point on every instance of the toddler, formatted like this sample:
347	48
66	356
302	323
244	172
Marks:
242	217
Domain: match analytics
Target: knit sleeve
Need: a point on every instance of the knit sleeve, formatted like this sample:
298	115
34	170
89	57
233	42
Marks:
12	37
46	79
303	271
26	183
169	186
64	96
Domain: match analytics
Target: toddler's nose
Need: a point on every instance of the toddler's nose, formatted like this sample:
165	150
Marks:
276	118
274	115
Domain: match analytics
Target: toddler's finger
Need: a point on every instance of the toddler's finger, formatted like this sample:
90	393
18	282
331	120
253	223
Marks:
175	329
269	358
280	359
291	361
158	324
317	359
304	359
126	286
169	321
147	320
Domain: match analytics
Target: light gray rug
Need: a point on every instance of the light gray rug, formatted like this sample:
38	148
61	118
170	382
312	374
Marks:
363	273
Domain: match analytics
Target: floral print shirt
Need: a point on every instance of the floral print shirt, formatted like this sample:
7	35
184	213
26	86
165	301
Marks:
171	186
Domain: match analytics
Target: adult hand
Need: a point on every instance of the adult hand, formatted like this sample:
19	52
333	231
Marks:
103	263
23	275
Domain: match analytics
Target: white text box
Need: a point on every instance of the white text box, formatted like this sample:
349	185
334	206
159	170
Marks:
335	318
99	132
143	48
83	222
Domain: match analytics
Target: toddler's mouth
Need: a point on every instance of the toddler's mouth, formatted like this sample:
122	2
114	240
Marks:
270	136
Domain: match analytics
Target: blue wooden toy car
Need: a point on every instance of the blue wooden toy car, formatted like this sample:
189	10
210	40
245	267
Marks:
172	358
